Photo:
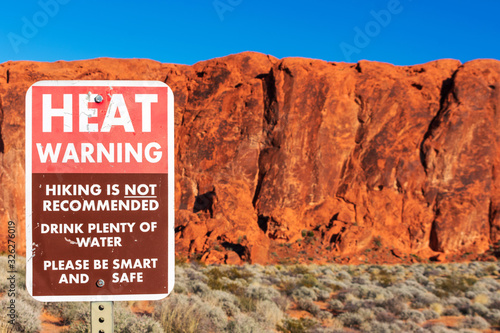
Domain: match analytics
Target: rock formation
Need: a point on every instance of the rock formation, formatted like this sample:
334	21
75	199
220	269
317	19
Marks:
300	159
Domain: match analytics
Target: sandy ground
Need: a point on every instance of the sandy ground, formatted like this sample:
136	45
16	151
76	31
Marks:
51	323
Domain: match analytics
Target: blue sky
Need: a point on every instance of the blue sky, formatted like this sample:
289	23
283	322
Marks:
402	32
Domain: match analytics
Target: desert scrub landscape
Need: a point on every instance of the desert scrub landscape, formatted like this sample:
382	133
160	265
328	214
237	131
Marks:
456	297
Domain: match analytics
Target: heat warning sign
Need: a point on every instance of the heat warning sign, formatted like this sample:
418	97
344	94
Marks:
99	190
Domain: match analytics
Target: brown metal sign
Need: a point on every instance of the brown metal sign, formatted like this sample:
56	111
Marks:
99	190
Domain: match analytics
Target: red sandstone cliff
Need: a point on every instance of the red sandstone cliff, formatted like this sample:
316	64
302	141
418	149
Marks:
305	159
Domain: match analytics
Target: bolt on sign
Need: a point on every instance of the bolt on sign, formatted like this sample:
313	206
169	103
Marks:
99	190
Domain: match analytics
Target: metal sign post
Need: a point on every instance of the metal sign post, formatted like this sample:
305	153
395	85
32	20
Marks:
99	192
101	317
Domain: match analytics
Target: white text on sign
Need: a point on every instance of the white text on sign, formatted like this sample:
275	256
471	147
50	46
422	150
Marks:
116	105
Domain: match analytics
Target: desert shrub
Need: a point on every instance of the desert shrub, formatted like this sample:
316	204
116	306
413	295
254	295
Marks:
323	295
70	312
265	279
261	293
423	300
362	279
430	314
494	301
299	270
455	285
435	270
413	316
494	317
382	294
376	327
451	311
374	269
484	270
438	328
304	293
78	327
326	271
282	302
181	313
350	319
226	301
365	292
178	313
324	275
384	316
308	280
126	321
180	270
269	313
321	329
410	326
336	285
217	275
308	305
402	292
199	288
471	294
366	314
480	309
437	307
247	304
324	315
411	283
181	261
421	278
292	325
242	323
481	299
180	287
193	275
353	305
214	278
383	277
335	305
287	285
268	270
413	286
474	322
217	317
486	286
399	326
401	270
395	305
346	294
344	276
462	304
241	272
234	286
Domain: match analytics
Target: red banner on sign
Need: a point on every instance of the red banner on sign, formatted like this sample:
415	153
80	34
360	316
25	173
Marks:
126	131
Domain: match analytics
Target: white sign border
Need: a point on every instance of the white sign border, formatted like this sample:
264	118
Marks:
30	251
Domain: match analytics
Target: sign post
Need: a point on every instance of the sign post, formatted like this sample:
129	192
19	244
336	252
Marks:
99	191
101	317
